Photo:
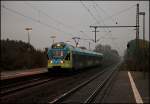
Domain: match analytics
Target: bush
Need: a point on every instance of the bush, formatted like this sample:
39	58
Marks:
16	55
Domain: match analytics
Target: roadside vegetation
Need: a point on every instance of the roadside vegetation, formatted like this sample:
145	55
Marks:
111	56
136	57
20	55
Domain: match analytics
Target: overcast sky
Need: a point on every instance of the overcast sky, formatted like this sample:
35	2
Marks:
67	19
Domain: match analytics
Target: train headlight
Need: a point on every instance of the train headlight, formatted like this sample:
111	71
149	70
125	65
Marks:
61	62
51	61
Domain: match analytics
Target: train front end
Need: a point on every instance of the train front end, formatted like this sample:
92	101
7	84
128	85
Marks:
59	57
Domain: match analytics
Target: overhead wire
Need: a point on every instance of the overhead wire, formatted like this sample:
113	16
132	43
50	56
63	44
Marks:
101	19
94	16
103	10
118	13
55	20
110	17
124	10
91	14
85	34
33	19
109	31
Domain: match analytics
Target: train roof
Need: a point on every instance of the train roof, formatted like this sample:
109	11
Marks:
79	50
83	51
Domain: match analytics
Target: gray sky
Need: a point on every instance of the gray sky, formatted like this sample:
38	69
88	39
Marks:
66	19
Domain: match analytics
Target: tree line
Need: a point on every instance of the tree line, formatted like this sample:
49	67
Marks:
20	55
110	56
137	55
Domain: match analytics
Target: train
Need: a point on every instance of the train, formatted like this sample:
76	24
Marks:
63	56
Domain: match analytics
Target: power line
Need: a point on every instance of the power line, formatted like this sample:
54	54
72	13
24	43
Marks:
96	27
101	19
103	10
57	21
89	12
105	13
84	34
120	12
33	19
91	16
95	19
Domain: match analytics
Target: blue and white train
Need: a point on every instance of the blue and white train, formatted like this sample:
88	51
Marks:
63	56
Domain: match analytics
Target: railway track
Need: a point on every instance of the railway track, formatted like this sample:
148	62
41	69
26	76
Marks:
6	83
9	88
86	91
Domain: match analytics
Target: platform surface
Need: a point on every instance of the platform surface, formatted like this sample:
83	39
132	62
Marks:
19	73
122	91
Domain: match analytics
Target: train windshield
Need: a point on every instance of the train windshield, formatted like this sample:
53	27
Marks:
58	53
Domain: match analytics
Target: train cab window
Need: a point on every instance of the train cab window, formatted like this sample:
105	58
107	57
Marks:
67	57
58	53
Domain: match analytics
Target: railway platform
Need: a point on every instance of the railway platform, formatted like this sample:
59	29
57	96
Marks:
126	90
20	73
